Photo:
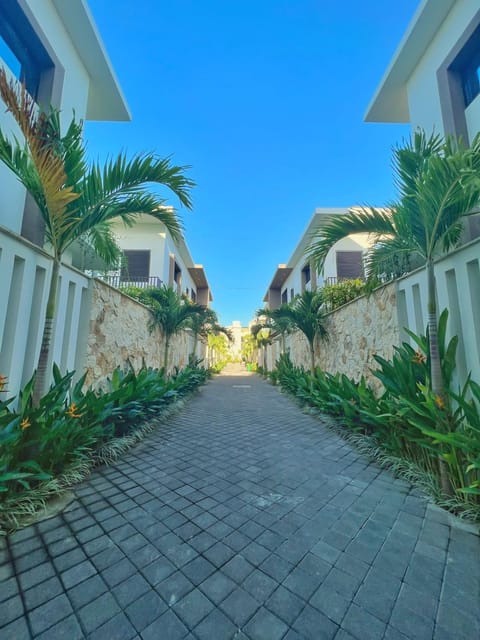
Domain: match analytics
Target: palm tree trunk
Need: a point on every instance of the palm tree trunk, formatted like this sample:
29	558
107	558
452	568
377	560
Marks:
283	343
194	348
42	381
438	387
435	365
165	355
312	359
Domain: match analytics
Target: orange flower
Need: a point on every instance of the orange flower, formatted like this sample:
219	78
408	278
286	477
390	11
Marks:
72	411
3	382
418	358
440	402
24	424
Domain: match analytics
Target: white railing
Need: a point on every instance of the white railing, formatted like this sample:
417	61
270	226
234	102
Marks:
24	280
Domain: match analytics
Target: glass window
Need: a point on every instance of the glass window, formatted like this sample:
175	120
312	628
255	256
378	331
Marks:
471	80
20	47
10	59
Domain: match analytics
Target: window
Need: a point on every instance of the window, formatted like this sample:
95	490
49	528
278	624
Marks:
467	66
285	296
306	277
349	265
21	49
306	274
292	294
177	274
194	296
136	267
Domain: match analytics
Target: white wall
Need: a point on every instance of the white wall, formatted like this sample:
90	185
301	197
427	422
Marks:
155	238
458	289
422	87
24	281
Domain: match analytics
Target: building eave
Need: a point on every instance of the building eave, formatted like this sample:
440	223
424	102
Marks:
105	100
390	102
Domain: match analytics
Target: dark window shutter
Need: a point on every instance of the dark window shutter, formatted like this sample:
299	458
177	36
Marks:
349	264
137	266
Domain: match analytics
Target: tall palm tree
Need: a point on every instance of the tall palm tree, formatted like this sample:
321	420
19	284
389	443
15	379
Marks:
438	184
76	200
204	324
305	314
170	312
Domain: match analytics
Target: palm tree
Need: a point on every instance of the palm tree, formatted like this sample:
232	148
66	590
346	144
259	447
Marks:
203	324
276	321
305	314
76	200
438	183
170	312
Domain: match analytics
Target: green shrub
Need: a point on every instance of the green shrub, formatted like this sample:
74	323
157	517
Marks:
407	422
335	295
38	443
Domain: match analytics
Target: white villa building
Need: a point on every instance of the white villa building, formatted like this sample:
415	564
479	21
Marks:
433	80
154	258
344	260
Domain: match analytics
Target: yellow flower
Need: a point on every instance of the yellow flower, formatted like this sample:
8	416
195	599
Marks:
3	382
72	411
440	402
418	358
24	424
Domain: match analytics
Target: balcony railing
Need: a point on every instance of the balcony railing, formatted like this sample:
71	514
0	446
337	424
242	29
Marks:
142	282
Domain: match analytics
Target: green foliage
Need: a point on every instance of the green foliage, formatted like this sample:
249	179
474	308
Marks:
135	292
38	442
335	295
408	420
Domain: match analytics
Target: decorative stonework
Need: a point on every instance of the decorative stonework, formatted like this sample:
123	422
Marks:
119	335
356	332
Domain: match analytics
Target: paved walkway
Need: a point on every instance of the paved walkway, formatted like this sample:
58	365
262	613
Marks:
242	518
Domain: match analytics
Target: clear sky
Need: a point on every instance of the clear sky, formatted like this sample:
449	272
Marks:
265	100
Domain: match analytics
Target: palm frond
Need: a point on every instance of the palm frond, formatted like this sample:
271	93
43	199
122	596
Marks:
377	222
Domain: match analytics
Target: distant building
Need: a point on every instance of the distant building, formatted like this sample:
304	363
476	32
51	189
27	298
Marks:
237	332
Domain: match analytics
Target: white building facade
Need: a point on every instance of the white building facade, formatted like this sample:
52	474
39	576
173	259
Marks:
344	261
153	258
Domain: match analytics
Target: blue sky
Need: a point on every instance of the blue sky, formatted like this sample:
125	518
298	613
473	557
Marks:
265	100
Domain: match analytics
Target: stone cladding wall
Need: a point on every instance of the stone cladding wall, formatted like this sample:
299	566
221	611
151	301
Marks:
356	332
119	334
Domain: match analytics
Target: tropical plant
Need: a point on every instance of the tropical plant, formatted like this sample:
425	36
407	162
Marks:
76	200
342	292
306	314
170	312
39	443
438	186
218	350
203	324
278	324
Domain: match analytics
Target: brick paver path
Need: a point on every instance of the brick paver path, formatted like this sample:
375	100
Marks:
242	518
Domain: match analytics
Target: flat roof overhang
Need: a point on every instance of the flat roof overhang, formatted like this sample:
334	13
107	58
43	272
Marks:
105	99
390	102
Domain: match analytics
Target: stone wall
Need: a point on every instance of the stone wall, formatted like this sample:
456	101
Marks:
119	334
356	332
